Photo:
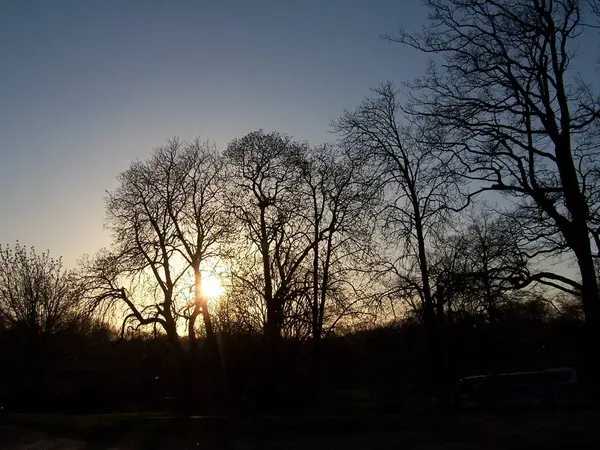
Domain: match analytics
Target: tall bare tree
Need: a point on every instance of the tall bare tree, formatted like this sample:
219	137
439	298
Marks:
418	190
200	216
266	170
141	270
167	221
340	212
523	121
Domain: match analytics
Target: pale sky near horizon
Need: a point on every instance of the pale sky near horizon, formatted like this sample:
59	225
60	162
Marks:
86	87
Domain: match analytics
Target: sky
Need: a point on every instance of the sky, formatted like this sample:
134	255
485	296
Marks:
86	87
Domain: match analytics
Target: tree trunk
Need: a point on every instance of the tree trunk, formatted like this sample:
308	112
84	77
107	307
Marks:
590	364
200	301
214	376
185	390
577	236
434	366
316	372
271	326
271	359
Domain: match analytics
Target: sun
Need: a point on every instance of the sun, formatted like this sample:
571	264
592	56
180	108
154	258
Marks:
211	286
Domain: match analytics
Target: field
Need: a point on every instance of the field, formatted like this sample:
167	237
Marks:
565	429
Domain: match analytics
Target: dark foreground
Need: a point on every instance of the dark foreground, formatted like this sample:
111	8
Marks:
564	429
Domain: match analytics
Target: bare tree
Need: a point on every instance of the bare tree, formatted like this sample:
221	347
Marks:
340	212
141	271
38	301
476	266
418	190
36	294
522	121
266	170
194	177
167	221
341	215
200	218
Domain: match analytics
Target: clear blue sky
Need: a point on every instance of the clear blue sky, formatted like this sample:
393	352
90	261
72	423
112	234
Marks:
88	86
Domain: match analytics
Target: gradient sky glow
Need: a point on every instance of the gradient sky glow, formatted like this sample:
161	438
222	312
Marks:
88	86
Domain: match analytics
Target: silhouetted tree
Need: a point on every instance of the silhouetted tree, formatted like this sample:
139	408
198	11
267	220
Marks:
266	171
39	300
195	182
37	295
167	221
474	271
568	307
341	215
522	121
196	207
477	265
418	189
341	212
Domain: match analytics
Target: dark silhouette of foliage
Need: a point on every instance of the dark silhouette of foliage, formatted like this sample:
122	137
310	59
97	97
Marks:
36	294
522	122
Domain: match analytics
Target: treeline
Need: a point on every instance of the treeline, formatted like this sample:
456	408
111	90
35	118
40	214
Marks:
467	198
89	370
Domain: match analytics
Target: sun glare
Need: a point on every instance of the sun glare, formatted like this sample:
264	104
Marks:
211	286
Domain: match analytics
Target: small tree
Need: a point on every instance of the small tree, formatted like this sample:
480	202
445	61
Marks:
36	294
479	264
38	301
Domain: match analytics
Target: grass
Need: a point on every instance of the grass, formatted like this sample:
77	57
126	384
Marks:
573	429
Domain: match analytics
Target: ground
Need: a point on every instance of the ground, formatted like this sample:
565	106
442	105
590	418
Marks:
560	429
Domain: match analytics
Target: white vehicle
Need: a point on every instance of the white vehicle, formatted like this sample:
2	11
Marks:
556	386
